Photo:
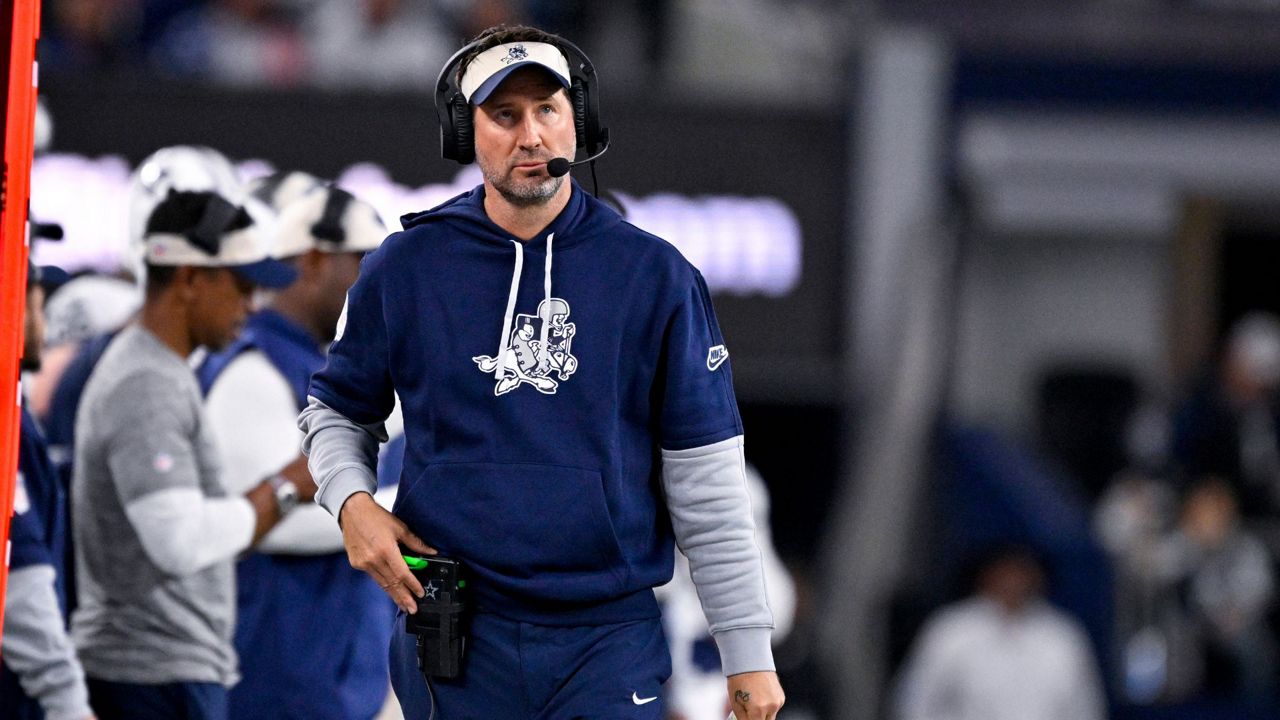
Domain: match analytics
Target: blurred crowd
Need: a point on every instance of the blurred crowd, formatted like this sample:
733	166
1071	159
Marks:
1125	559
1192	531
333	44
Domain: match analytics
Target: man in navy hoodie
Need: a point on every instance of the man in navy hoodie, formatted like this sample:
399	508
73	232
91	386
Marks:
569	414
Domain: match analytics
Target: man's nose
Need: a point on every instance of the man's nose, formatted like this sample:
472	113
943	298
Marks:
530	134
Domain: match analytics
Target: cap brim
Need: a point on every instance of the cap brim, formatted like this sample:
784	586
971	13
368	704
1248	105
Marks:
487	87
268	273
52	276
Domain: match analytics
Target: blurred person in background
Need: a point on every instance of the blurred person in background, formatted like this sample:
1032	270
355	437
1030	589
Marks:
649	26
83	315
1228	426
155	528
250	43
376	44
87	312
1224	574
562	495
40	676
311	631
1003	654
77	311
85	35
94	309
1160	658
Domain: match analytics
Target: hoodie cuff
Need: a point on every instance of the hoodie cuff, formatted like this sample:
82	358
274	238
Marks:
745	650
70	703
345	482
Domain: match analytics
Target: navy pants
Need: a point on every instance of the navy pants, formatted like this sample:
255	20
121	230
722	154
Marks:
169	701
520	670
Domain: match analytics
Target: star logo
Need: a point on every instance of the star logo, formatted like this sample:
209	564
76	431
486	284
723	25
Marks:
430	590
515	54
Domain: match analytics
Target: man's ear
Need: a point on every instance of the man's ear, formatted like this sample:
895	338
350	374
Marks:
184	280
313	263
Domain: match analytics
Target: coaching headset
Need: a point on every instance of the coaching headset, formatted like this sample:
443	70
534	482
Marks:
457	137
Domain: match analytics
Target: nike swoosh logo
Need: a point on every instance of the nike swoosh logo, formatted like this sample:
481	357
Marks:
716	357
642	701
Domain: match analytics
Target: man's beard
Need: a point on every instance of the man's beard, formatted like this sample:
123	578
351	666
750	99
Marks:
29	362
526	192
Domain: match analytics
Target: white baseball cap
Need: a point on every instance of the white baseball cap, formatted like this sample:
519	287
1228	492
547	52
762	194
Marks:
205	229
89	305
179	167
328	219
279	190
487	70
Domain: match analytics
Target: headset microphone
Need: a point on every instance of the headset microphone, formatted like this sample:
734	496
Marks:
557	167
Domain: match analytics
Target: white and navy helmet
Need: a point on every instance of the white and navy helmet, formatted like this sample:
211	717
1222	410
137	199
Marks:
178	168
183	168
328	219
279	190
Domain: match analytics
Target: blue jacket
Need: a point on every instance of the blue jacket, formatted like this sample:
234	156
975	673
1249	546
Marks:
41	532
538	381
311	631
38	536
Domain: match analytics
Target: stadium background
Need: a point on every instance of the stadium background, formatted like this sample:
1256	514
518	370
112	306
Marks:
990	196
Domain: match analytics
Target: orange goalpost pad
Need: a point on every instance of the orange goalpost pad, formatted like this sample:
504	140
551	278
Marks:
20	21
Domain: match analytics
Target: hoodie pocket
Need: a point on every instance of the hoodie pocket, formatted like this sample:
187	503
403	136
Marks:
521	521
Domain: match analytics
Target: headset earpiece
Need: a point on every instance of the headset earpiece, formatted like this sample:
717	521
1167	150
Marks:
463	131
584	92
578	96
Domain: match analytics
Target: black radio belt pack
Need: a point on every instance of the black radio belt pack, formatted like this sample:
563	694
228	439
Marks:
440	623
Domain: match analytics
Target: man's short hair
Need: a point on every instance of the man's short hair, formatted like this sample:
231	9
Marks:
159	277
501	35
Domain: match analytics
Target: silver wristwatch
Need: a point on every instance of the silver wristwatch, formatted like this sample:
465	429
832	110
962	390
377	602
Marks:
286	494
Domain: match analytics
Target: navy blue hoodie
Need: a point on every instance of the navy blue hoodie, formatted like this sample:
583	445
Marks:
539	381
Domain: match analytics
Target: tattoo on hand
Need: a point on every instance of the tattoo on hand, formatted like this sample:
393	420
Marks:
743	697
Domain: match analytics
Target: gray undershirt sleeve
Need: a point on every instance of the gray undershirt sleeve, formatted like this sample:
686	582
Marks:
341	454
711	514
36	647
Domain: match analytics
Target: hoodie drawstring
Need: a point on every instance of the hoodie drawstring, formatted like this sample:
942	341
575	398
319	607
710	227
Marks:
546	293
511	308
505	343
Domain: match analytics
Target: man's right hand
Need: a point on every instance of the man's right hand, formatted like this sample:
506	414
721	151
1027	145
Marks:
372	537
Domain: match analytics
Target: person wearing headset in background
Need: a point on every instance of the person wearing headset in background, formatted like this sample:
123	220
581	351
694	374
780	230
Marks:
311	631
156	530
561	482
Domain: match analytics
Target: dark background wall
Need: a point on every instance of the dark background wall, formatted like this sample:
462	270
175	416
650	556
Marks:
784	348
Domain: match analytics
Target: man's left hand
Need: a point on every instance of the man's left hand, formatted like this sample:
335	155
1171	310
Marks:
755	695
